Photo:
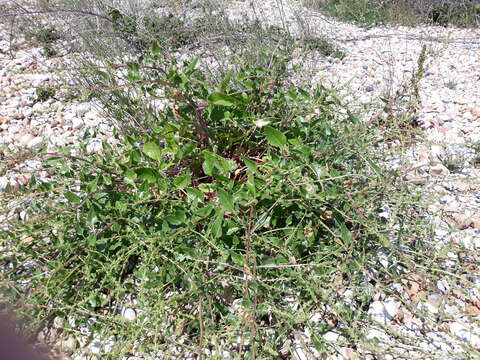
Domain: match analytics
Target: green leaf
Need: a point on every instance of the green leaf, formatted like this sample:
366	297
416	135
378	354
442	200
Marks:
225	165
232	230
375	167
176	218
148	174
251	185
227	79
72	197
226	200
91	217
91	240
182	181
220	99
152	150
92	185
154	48
237	258
252	166
193	65
103	74
208	165
274	136
195	194
216	228
129	177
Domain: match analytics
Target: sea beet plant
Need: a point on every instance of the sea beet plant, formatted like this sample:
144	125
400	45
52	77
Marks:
231	212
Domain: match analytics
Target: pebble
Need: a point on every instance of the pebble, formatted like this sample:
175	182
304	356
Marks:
383	311
128	314
439	170
36	142
69	343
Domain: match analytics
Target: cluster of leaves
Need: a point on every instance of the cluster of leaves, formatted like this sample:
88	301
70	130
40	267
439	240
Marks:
44	93
463	13
46	37
250	191
325	47
171	32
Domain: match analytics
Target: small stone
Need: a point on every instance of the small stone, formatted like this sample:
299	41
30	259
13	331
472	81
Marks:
82	110
435	300
36	142
476	222
439	170
473	309
77	123
417	180
25	139
28	240
129	314
58	321
383	311
369	89
69	343
3	183
442	285
18	116
23	215
24	179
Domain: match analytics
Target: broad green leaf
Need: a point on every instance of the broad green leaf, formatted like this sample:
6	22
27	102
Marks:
193	65
182	181
226	200
291	95
227	79
74	199
346	235
237	258
232	230
107	179
91	217
176	218
129	177
208	165
225	165
91	240
92	185
251	185
275	260
196	194
205	211
152	150
252	166
148	174
154	48
220	99
274	136
216	228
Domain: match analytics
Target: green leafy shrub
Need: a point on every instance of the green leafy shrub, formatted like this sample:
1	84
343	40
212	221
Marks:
364	12
325	47
44	93
46	37
465	13
250	194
